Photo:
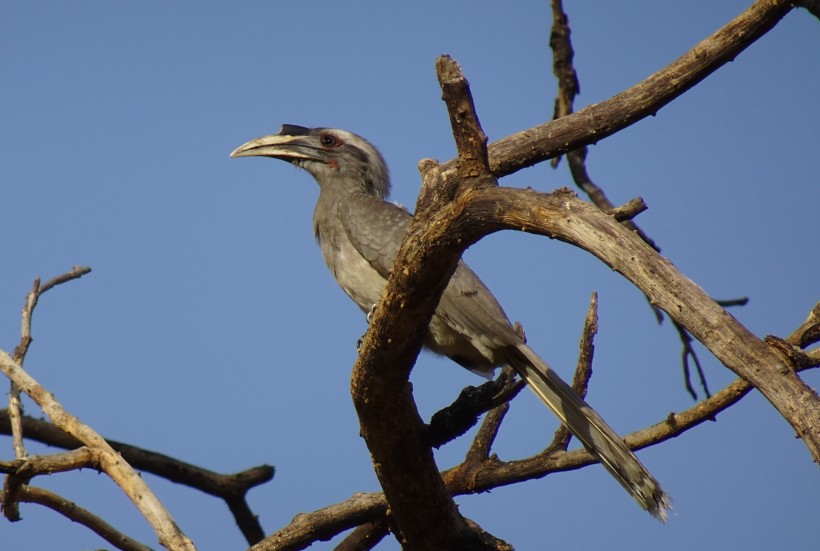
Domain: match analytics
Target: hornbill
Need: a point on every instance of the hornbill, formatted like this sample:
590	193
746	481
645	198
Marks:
360	232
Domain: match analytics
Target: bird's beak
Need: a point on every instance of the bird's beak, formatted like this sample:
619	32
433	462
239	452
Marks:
280	146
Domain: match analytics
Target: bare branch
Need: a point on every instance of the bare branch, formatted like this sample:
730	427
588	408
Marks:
563	216
81	516
629	210
31	303
15	406
687	353
470	139
424	512
583	373
21	471
809	331
460	416
126	478
365	537
362	508
230	487
324	524
596	122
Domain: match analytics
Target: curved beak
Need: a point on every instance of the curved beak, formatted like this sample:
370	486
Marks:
291	143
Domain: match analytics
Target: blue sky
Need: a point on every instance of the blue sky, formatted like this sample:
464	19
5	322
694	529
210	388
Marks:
211	331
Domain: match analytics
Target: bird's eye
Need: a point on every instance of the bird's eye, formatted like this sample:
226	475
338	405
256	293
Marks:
329	140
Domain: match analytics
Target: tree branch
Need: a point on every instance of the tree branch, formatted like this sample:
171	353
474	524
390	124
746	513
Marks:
15	406
123	475
325	523
644	99
809	331
322	525
82	516
561	215
365	537
230	487
446	222
423	510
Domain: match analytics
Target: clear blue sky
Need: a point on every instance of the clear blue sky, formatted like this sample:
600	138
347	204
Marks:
210	329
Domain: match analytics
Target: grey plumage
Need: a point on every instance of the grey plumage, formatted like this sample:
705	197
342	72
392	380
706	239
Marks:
360	233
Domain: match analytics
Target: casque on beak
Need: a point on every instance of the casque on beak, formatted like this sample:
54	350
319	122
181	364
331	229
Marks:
291	143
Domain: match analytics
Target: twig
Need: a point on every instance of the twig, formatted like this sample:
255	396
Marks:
454	420
809	331
15	406
125	477
644	99
21	471
365	537
689	352
325	523
497	474
130	482
583	371
483	441
230	487
82	516
629	210
31	303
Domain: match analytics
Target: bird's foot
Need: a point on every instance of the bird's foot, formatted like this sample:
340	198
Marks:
369	316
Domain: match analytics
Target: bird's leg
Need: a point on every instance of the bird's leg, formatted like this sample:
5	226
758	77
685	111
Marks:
368	317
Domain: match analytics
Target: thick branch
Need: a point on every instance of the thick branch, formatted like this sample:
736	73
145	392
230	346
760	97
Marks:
563	216
423	509
363	508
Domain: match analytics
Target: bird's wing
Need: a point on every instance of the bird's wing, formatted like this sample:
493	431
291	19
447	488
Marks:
469	307
466	306
379	239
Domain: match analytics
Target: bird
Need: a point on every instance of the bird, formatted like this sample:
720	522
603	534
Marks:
359	233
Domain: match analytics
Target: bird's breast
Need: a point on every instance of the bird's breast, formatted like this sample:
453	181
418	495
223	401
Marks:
353	273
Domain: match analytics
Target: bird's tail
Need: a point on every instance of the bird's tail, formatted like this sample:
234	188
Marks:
591	430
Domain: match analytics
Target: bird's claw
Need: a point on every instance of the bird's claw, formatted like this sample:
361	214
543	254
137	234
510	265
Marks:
369	316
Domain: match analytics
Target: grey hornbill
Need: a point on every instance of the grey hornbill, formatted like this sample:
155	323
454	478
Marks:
360	233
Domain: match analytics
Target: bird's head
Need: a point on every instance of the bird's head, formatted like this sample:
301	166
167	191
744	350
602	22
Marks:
335	158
